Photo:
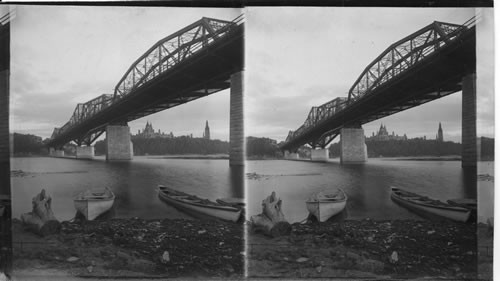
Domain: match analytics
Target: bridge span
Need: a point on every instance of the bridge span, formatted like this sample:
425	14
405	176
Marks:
199	60
435	61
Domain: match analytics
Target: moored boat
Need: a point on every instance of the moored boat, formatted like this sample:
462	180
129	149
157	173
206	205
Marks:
232	201
198	206
325	204
426	206
94	202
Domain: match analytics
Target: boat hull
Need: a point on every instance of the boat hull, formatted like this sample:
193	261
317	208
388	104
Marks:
451	213
91	209
325	210
224	212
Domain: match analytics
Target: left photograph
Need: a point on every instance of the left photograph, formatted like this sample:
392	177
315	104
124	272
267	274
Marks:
127	136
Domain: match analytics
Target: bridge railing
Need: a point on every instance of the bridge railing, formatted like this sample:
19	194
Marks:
404	54
173	50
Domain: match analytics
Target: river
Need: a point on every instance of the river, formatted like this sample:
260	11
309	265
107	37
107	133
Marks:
367	186
134	184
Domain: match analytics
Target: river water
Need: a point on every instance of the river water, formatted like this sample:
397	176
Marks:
367	186
134	184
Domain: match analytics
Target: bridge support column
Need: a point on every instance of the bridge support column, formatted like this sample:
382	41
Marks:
85	152
59	153
291	155
352	146
320	155
236	125
118	143
469	139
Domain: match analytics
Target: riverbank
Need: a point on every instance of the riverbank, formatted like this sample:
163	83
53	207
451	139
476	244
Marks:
132	248
188	156
367	249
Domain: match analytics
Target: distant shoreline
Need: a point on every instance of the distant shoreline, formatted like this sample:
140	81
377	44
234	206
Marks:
187	156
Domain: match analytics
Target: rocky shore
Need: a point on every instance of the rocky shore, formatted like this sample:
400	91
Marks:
132	248
367	249
180	248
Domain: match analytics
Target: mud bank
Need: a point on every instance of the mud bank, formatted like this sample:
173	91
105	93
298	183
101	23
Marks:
133	248
367	249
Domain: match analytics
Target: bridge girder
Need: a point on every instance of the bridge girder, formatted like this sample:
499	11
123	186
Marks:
397	63
404	54
168	70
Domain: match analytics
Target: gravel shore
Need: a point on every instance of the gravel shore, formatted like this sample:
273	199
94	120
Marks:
134	248
367	249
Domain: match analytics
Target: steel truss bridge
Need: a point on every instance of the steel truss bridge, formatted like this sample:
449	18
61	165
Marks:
194	62
424	66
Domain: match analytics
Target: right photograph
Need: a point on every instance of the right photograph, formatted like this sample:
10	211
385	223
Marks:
369	142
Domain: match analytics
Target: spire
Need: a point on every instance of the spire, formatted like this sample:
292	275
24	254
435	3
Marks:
206	134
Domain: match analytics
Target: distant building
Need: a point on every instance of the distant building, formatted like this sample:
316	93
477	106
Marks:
383	135
206	134
149	132
439	136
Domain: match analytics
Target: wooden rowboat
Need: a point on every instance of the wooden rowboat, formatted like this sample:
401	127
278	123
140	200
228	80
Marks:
94	202
198	206
325	204
428	207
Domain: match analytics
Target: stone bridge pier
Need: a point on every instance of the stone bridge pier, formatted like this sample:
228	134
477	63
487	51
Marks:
118	143
319	155
236	124
469	134
85	152
290	155
56	152
352	146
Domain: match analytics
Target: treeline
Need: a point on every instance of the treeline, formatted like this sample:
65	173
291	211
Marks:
166	146
26	144
401	148
262	148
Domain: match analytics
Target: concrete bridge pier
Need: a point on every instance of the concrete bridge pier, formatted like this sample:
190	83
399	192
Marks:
291	155
58	153
85	152
320	155
236	125
352	146
118	143
469	137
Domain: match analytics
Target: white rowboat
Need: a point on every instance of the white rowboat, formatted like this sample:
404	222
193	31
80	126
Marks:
198	206
325	204
94	202
429	207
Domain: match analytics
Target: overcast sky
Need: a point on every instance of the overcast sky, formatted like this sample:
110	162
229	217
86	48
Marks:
303	57
296	58
61	56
